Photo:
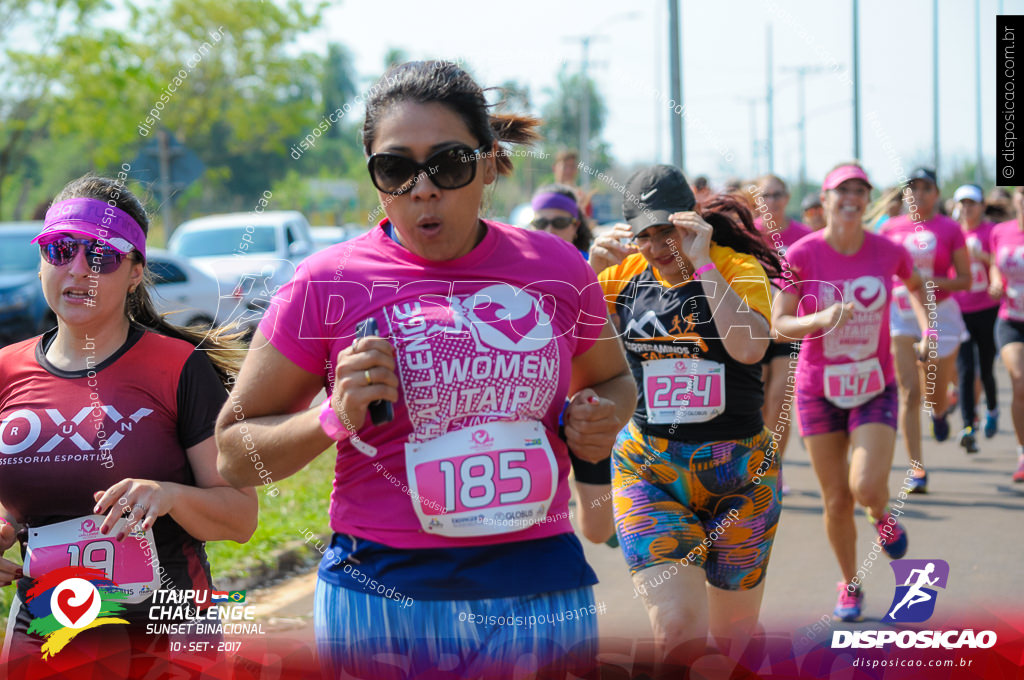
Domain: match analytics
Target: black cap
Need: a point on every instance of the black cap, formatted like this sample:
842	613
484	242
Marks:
811	200
924	173
654	193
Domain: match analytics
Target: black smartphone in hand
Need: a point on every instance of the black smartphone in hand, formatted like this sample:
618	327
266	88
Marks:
381	411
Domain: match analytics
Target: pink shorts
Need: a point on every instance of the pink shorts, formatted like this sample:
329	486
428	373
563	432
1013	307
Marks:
818	415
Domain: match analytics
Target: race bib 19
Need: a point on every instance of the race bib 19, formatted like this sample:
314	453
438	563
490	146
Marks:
683	390
850	385
131	563
480	481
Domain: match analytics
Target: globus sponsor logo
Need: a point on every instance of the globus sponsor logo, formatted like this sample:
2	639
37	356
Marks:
916	639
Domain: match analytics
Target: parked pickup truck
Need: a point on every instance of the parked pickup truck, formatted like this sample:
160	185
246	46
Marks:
250	254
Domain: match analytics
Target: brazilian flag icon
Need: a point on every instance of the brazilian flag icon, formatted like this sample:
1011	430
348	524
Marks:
237	596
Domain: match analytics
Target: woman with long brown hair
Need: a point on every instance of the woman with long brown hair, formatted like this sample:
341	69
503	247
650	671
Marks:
112	413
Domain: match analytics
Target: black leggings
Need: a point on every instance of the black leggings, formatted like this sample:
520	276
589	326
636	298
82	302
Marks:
981	326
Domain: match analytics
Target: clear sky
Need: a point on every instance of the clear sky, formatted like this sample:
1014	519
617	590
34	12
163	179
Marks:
723	71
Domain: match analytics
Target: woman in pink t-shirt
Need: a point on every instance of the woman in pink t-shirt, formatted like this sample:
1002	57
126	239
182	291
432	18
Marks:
1007	277
926	353
979	313
450	506
841	281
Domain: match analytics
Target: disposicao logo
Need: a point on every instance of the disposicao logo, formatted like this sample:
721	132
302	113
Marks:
69	600
914	602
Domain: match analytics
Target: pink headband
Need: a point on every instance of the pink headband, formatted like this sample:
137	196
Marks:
97	219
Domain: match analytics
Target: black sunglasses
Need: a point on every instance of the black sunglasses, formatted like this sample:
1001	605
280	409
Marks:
451	168
556	222
101	257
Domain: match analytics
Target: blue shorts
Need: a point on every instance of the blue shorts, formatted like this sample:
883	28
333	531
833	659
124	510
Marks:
368	636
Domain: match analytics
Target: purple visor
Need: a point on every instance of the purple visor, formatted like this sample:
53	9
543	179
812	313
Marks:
555	201
95	219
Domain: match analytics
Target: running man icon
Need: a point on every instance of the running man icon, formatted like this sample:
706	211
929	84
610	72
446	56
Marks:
916	582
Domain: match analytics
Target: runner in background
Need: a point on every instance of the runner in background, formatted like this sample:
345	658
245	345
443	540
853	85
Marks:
694	484
888	206
701	189
811	212
116	408
926	357
846	386
487	331
1007	284
999	205
566	170
555	211
979	312
779	233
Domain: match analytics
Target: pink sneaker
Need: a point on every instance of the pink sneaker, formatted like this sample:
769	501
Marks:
849	605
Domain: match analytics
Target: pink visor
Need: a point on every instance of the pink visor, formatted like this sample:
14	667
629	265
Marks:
843	173
96	219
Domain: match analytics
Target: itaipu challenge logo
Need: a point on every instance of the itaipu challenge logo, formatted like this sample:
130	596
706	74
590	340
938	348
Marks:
70	600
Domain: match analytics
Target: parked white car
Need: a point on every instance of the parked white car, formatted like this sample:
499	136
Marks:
188	295
325	237
250	254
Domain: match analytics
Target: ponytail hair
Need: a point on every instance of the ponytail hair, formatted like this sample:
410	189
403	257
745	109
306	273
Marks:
227	353
733	227
444	82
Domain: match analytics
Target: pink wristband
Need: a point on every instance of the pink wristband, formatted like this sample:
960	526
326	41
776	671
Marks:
708	267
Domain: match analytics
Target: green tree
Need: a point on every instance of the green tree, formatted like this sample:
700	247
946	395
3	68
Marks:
562	120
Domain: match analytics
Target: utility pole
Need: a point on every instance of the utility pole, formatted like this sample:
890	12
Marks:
769	103
675	83
856	80
585	84
979	174
166	209
801	73
935	82
585	112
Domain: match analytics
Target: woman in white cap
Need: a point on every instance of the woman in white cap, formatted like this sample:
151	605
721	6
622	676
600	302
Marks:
979	311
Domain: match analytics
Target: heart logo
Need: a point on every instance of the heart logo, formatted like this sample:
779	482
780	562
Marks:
75	603
481	438
73	612
88	526
867	291
513	329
